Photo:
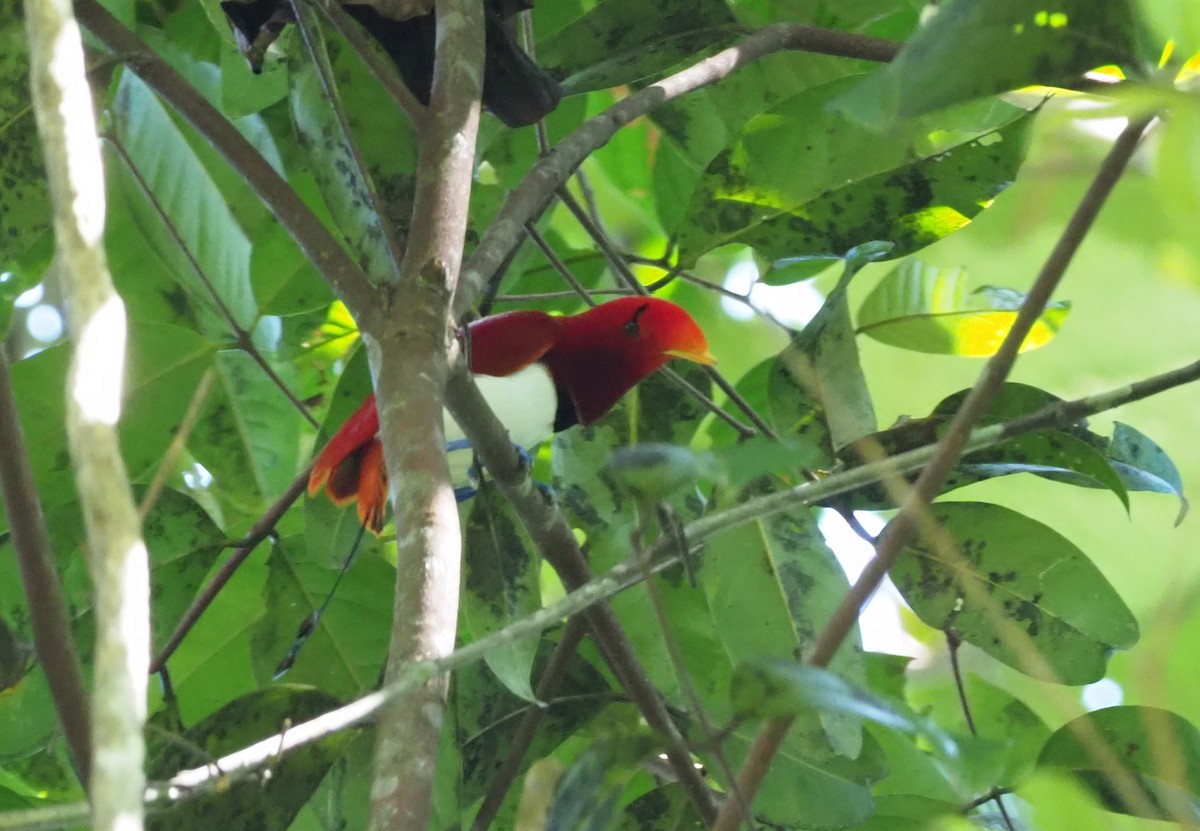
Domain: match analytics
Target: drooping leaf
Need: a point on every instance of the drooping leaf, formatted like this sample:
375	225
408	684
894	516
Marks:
1142	761
925	308
337	152
269	803
771	585
588	794
818	380
802	181
953	58
622	41
1037	582
501	571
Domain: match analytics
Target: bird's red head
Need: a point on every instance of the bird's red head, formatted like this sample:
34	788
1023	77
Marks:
604	352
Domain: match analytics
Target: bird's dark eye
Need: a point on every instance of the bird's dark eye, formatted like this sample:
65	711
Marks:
631	326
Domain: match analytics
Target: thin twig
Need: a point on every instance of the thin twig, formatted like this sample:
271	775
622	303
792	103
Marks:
558	265
167	465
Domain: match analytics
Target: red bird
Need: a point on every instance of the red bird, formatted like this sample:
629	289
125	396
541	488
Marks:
540	374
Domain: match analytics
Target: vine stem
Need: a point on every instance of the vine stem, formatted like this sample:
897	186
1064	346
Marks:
904	526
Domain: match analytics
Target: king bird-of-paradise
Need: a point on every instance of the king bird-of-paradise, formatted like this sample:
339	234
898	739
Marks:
539	373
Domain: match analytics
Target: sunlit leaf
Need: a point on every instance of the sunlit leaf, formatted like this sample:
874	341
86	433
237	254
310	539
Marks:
803	181
1038	581
926	308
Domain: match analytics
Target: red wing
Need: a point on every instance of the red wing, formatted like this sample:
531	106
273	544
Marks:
507	343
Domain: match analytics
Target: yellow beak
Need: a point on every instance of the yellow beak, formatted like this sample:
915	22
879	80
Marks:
699	357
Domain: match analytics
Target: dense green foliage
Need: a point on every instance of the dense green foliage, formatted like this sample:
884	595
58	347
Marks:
915	201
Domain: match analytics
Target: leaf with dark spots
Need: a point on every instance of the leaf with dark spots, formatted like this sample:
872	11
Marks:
501	581
1135	739
267	802
802	181
1036	579
622	41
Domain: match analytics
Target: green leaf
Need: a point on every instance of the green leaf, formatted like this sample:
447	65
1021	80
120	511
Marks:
1037	581
666	808
501	573
771	585
184	543
622	41
1154	753
926	308
803	181
269	804
346	651
972	49
339	149
771	688
25	197
818	377
178	205
248	435
587	798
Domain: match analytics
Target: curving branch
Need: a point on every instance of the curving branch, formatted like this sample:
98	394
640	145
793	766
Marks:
118	558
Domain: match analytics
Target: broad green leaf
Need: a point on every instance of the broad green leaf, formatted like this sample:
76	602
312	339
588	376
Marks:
588	795
179	206
622	41
1144	466
243	92
339	150
818	377
771	585
1014	734
501	570
24	198
926	308
803	181
1038	581
953	58
184	543
248	435
1154	753
345	653
269	804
